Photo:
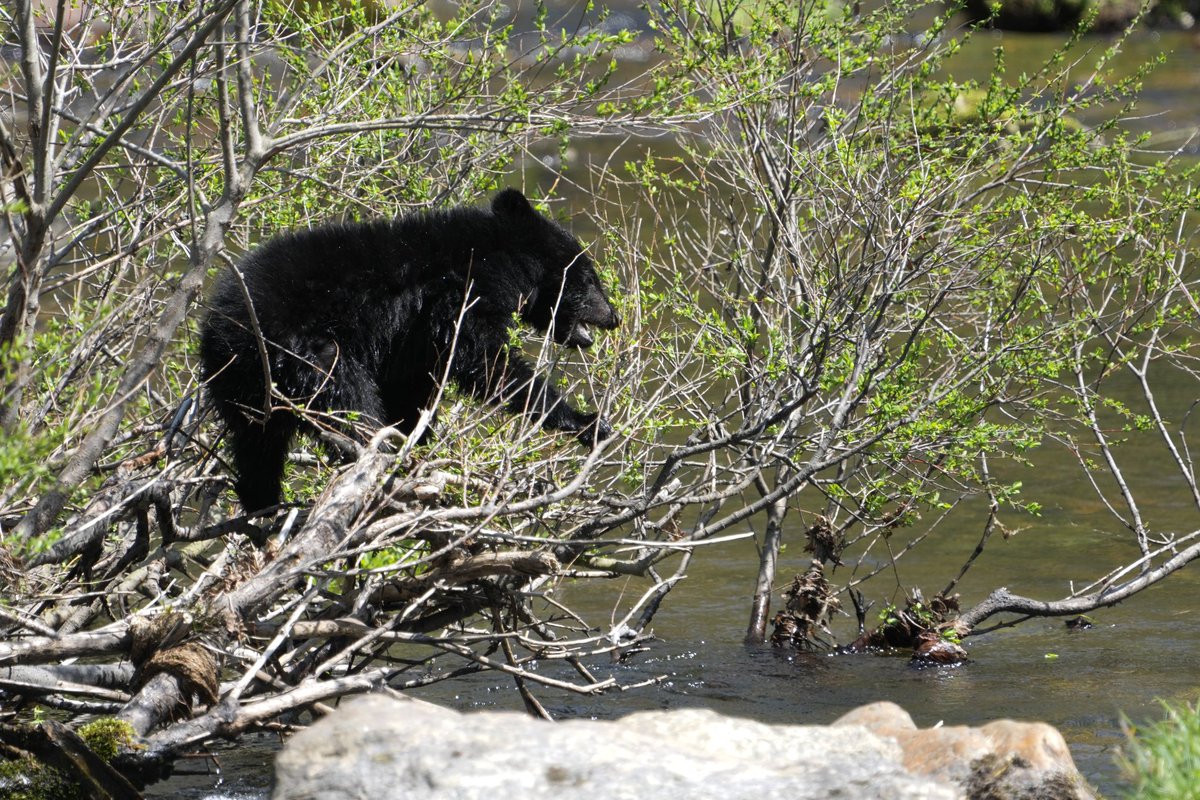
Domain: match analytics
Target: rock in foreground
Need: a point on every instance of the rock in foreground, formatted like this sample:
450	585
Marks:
1000	760
381	747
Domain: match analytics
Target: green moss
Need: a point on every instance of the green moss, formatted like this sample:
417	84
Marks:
27	779
107	736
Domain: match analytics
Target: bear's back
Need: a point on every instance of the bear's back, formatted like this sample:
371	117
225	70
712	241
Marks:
346	274
386	253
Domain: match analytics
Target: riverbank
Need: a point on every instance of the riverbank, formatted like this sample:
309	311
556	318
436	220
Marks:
1099	16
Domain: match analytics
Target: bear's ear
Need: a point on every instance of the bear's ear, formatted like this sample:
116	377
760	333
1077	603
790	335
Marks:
512	204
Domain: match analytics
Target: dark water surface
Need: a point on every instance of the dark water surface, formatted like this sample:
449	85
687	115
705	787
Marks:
1082	682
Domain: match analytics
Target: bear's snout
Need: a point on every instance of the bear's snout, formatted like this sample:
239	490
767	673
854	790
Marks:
596	310
599	311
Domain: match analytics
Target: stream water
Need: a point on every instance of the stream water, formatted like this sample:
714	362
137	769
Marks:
1081	682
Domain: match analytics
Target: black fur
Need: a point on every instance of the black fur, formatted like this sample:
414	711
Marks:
363	317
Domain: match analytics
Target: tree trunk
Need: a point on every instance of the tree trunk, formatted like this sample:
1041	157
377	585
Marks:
768	557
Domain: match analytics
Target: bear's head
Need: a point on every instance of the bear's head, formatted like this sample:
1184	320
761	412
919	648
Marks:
567	296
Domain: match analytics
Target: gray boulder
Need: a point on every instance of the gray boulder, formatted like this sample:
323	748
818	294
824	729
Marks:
381	747
378	747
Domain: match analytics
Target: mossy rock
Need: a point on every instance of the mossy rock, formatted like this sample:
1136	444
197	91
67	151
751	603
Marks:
29	779
107	737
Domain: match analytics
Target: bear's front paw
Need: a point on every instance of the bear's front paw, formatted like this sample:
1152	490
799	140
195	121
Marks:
595	430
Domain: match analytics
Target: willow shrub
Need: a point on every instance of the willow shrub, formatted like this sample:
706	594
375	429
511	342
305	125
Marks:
891	276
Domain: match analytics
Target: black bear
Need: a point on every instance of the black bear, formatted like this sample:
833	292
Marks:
368	317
